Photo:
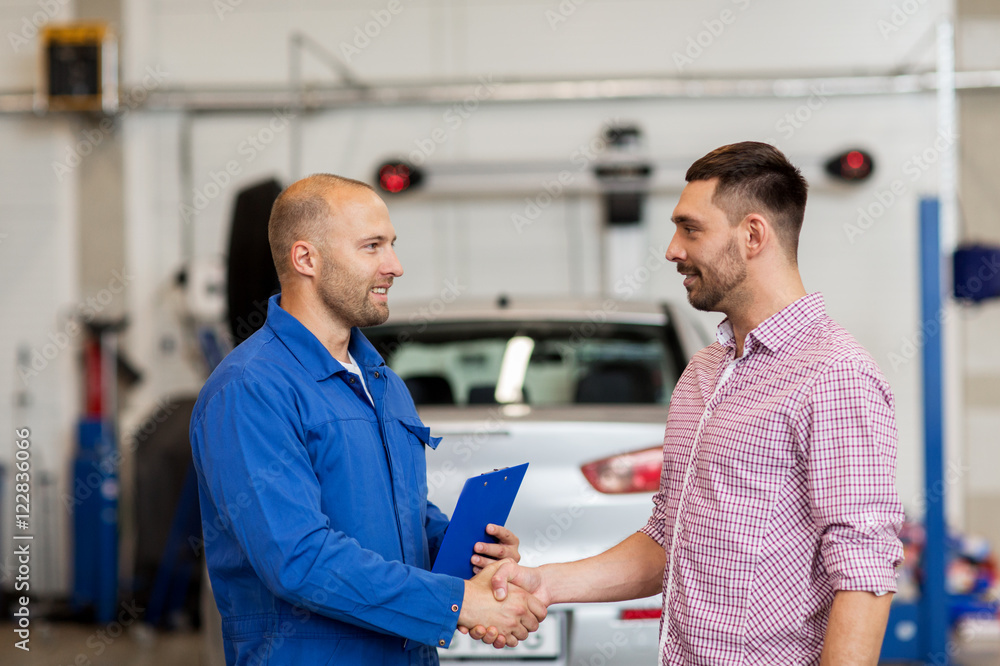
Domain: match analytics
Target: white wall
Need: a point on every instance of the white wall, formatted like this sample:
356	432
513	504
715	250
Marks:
447	38
870	283
39	300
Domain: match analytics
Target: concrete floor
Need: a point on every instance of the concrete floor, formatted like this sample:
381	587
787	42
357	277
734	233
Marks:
80	645
979	655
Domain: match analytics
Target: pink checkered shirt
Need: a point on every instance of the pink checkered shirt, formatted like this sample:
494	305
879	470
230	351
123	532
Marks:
777	491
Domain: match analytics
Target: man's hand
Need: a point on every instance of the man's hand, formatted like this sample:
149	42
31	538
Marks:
527	578
505	548
510	578
485	554
631	570
511	620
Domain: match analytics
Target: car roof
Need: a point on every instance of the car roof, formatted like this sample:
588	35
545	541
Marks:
527	308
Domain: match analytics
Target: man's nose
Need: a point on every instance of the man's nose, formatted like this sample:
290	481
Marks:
675	251
391	265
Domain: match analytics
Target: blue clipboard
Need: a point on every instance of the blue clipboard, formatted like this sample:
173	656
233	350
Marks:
485	499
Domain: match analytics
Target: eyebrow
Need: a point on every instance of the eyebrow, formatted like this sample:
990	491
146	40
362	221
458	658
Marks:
684	219
377	238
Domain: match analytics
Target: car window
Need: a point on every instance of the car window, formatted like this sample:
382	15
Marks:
540	364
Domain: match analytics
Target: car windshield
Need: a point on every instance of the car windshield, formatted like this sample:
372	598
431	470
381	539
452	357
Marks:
543	364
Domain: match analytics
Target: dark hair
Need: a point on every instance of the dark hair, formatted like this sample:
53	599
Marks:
301	212
756	177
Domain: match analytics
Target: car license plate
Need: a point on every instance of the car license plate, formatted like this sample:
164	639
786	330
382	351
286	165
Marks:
546	643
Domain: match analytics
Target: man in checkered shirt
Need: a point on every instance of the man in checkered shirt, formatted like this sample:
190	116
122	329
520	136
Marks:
773	536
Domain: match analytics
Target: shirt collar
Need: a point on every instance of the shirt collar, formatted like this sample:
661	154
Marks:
309	351
779	328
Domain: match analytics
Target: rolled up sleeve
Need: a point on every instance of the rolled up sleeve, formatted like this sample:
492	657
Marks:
850	440
278	524
655	527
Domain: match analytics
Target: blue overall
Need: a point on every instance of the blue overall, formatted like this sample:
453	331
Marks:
318	533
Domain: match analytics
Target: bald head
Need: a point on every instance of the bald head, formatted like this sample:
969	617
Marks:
302	212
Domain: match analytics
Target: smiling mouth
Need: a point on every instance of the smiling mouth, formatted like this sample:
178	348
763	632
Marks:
689	275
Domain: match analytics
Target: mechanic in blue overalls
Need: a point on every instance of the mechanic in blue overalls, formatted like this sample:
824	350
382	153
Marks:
311	465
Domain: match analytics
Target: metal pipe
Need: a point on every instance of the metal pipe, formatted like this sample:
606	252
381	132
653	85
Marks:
295	124
443	93
951	234
186	159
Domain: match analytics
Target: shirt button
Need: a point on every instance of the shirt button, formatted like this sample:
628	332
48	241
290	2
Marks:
352	380
376	374
454	608
441	642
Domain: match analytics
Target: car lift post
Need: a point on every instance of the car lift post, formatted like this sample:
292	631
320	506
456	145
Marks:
933	601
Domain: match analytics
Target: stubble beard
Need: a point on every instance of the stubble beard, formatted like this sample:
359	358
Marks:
347	298
721	283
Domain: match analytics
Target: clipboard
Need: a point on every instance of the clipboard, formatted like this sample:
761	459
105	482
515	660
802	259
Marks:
485	499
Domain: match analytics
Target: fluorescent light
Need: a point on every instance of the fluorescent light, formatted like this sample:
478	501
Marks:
513	368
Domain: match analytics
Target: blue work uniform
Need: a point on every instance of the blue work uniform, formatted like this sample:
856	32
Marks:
318	533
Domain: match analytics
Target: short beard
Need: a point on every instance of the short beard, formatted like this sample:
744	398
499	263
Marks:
339	295
728	275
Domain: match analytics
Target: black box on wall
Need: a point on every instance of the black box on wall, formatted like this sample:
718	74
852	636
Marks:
79	68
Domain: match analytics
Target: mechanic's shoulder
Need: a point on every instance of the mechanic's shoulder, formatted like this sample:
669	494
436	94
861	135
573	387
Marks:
251	366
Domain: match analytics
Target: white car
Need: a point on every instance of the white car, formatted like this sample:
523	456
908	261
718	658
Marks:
578	389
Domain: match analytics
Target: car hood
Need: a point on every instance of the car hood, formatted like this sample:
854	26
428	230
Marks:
561	414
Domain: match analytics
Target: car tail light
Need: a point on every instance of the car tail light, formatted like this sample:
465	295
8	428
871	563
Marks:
641	613
635	472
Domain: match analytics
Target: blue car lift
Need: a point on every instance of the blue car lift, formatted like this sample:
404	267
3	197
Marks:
95	520
919	632
96	485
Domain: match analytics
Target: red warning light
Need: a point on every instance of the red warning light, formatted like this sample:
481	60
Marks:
396	177
855	160
852	166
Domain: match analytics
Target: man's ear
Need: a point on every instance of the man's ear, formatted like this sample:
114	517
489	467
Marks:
305	258
757	233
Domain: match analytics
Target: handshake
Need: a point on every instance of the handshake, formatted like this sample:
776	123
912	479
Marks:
504	602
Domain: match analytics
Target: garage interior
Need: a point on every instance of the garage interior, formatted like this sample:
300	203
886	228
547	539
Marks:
524	149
